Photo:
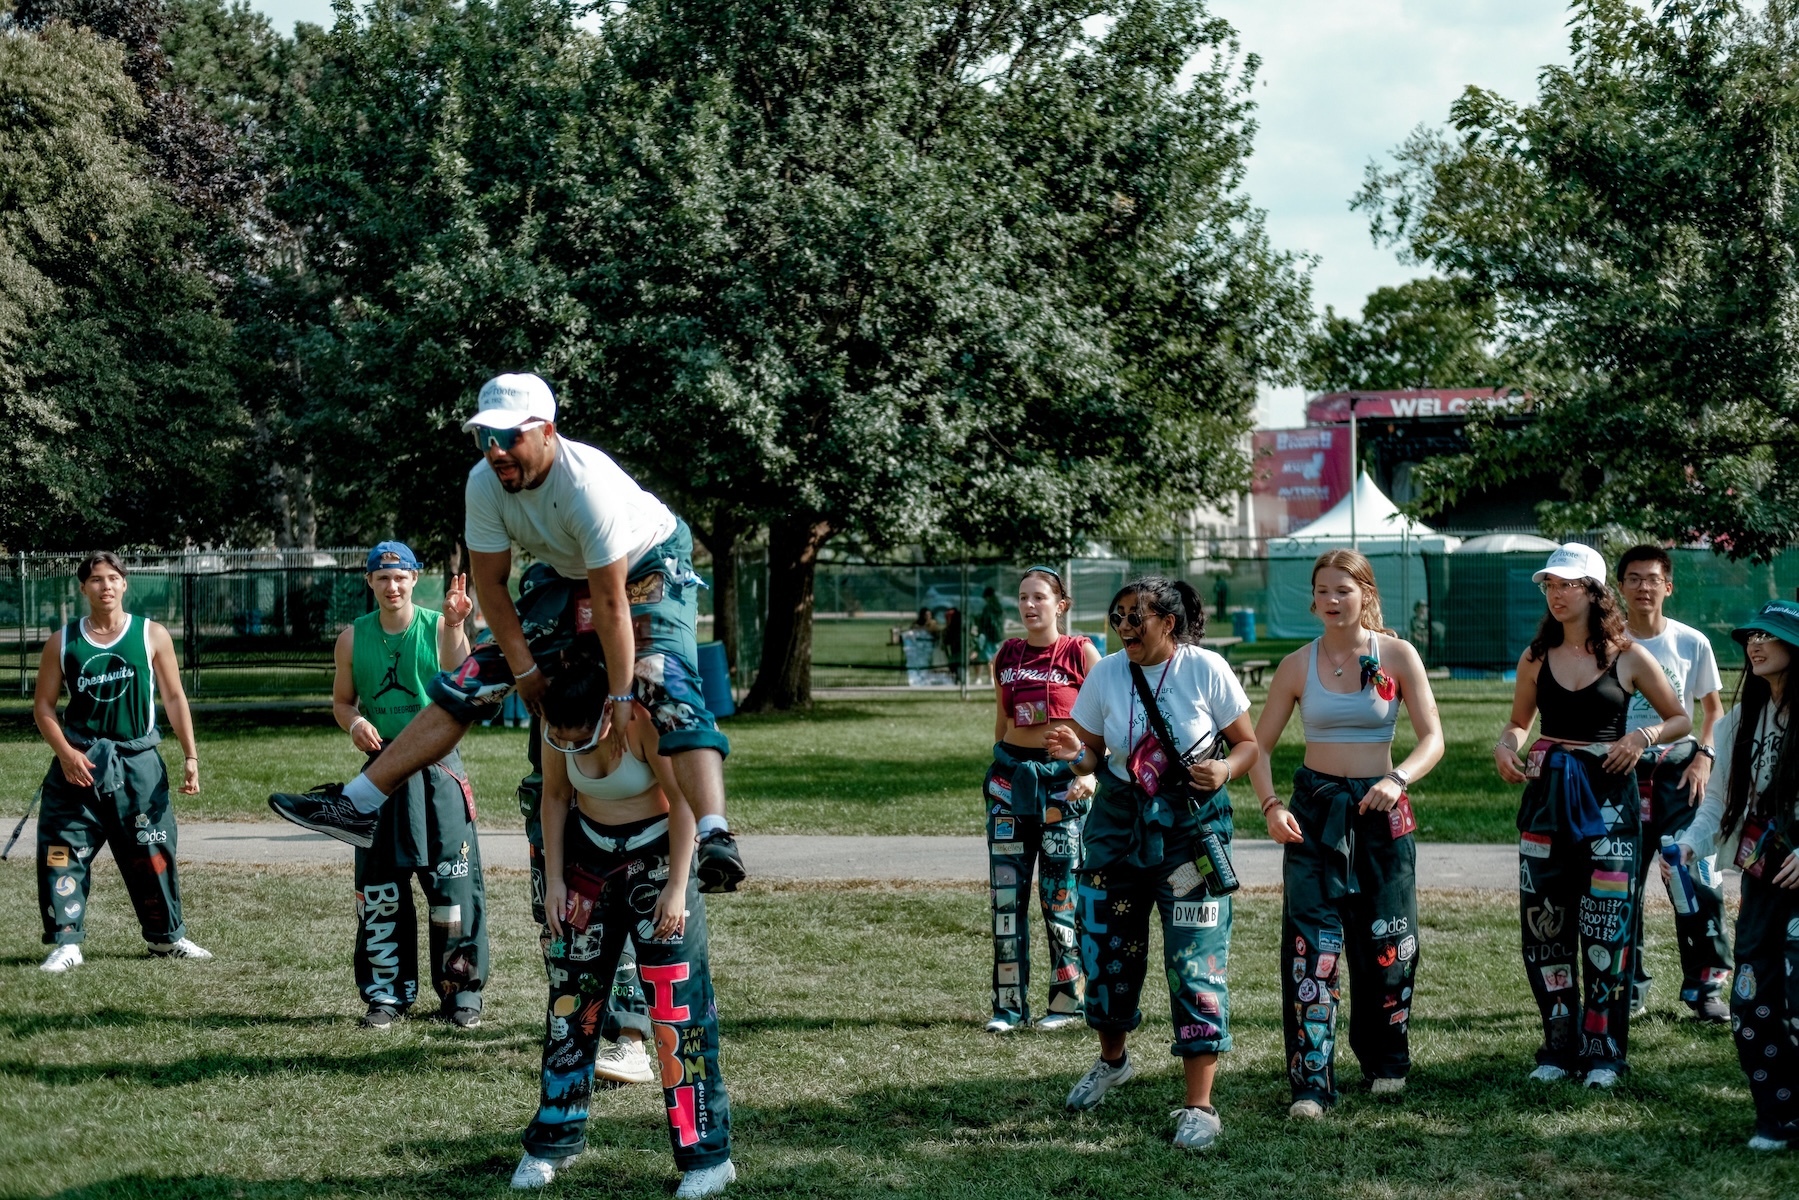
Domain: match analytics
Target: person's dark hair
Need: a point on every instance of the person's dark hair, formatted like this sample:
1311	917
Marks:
1056	587
576	694
1752	698
924	615
1637	554
1606	637
1169	598
98	558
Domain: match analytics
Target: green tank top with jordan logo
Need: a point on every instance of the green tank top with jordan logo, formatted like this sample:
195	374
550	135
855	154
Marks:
112	692
390	669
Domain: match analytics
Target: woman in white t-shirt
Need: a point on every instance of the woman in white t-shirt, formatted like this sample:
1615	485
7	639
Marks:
1157	838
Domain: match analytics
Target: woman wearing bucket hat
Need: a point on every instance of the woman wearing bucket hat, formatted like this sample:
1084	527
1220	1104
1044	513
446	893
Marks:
1751	808
1578	821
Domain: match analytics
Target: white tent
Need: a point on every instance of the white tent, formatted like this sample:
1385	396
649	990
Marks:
1392	542
1508	543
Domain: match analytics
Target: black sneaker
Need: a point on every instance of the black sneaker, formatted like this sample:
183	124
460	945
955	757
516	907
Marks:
324	810
1712	1010
462	1018
721	869
380	1016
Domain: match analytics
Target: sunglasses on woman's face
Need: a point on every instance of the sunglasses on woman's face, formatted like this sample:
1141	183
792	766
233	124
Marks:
1120	617
1759	637
555	743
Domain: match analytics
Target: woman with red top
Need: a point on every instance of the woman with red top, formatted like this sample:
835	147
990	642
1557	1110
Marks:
1035	805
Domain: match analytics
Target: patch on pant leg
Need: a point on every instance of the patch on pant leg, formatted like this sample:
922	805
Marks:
1610	885
1745	989
1604	919
56	856
1534	845
1005	875
448	918
1005	973
565	1095
1195	914
1005	898
1557	977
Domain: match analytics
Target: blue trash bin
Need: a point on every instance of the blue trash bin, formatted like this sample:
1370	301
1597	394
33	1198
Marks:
715	679
1243	624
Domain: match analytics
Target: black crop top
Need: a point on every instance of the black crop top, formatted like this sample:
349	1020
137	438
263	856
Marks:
1593	714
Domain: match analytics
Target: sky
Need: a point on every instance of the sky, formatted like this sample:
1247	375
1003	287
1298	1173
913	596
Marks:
1340	84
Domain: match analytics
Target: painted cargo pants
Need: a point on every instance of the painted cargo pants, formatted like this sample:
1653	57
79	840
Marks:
633	861
1032	828
626	1009
1577	866
1663	811
426	830
1349	896
1764	1003
128	808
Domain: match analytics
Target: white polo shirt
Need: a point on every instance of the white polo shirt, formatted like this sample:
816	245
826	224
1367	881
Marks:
586	513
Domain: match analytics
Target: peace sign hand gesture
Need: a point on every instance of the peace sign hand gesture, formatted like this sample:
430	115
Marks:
457	605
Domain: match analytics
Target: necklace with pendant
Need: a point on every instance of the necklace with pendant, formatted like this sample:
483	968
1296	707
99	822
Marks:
1334	662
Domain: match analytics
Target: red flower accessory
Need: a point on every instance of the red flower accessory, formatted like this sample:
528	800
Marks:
1384	687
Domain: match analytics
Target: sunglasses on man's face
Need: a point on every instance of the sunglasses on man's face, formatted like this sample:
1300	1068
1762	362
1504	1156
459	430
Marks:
503	440
555	743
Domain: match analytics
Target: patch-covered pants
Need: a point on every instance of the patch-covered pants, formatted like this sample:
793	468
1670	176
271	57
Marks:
1349	896
675	973
1018	846
1764	1004
1576	905
1115	907
1663	811
556	614
427	829
136	820
626	1009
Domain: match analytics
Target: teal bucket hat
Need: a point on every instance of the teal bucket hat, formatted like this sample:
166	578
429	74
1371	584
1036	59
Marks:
1778	617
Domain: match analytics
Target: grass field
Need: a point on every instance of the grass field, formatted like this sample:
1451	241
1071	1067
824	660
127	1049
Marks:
906	765
852	1050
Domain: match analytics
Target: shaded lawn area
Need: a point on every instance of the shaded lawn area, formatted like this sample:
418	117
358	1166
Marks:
853	1055
878	766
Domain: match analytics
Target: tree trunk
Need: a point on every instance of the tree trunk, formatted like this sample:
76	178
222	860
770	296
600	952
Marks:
722	540
785	678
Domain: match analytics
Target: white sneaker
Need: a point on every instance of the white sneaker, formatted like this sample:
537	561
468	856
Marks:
1306	1110
62	958
1099	1080
1386	1087
1601	1077
707	1181
1548	1074
535	1172
181	949
1763	1142
625	1062
999	1025
1195	1128
1050	1022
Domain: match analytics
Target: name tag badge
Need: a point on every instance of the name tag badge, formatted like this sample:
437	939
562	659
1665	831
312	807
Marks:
1147	764
1030	712
1399	819
1752	851
584	614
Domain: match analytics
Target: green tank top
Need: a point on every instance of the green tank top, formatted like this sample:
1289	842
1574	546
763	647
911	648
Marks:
112	692
390	669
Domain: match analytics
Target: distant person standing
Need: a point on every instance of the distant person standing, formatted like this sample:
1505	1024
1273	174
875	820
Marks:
1671	782
1034	807
108	784
384	660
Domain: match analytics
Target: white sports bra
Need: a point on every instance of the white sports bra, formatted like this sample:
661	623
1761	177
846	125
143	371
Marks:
632	777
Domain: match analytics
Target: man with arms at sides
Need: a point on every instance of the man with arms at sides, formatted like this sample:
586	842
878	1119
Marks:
384	660
1671	782
614	573
108	783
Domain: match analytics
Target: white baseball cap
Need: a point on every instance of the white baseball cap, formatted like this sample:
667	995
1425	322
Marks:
1574	561
508	401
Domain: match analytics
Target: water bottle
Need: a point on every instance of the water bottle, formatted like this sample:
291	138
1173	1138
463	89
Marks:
1680	880
1220	875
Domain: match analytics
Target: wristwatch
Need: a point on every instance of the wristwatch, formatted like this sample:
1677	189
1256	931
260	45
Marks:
1710	752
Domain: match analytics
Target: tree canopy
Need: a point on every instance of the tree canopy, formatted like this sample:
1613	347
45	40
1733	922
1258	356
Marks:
1429	333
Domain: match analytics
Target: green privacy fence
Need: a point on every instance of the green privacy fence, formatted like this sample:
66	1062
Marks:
1484	608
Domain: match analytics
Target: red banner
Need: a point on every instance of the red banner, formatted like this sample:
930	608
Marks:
1299	475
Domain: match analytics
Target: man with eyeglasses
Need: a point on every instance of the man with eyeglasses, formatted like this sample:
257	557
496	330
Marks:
1671	782
613	583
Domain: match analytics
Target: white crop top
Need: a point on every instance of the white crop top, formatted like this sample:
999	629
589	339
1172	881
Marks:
632	777
1346	716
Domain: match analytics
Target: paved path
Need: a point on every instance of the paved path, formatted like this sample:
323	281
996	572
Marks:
799	857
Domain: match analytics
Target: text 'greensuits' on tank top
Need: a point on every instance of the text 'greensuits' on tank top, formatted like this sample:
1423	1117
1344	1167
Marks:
112	692
390	669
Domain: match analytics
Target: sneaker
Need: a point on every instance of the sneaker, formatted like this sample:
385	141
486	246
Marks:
180	949
625	1061
1051	1022
1548	1073
721	868
1304	1110
1386	1087
1000	1025
1639	1001
1601	1077
62	958
463	1018
324	810
1712	1010
707	1181
1195	1128
535	1172
1099	1079
1762	1141
380	1016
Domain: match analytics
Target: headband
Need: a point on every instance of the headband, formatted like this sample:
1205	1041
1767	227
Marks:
1045	570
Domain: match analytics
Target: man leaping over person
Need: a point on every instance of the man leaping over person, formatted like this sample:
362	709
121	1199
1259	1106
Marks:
614	567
